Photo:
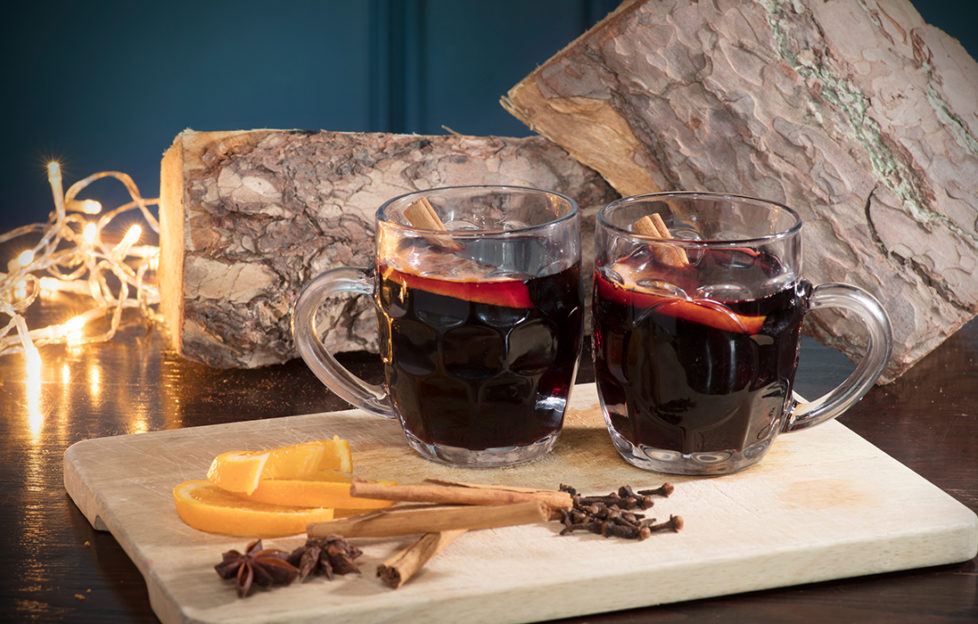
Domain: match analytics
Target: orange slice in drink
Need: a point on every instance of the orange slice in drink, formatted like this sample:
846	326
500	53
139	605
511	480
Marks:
242	471
702	311
326	488
206	507
711	313
510	293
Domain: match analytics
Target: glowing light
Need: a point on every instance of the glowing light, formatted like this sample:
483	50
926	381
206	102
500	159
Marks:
71	257
20	290
139	424
94	380
32	360
32	390
131	237
57	190
88	206
72	330
51	285
25	257
22	260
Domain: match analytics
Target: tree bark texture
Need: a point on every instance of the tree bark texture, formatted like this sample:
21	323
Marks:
855	112
247	218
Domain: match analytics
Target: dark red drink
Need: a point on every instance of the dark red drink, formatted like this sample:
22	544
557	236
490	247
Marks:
696	374
480	364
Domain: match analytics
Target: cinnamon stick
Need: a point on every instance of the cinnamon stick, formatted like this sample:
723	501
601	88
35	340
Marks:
649	225
653	225
421	214
460	493
430	519
402	566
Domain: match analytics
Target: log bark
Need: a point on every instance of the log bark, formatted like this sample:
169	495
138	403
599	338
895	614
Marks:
857	114
247	218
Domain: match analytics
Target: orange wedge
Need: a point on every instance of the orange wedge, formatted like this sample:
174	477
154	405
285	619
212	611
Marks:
241	471
702	311
511	293
207	507
326	488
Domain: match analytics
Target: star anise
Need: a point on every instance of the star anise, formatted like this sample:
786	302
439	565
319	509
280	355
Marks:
257	566
328	556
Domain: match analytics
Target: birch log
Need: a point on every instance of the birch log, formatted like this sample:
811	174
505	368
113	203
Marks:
247	218
857	114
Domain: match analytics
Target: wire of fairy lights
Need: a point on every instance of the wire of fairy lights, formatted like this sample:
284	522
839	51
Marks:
72	257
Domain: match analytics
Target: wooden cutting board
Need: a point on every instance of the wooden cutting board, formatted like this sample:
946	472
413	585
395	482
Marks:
824	504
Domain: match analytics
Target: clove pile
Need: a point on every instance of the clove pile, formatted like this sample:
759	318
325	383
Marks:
619	514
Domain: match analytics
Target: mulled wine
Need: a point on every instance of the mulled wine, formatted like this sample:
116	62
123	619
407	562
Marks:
480	362
684	369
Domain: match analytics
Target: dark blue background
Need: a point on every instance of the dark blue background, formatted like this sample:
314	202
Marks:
103	85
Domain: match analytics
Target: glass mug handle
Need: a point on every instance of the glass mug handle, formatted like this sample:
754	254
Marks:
366	396
879	344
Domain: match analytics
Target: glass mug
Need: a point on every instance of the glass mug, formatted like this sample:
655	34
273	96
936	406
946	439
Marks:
480	324
696	330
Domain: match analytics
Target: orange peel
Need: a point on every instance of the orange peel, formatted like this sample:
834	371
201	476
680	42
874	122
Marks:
242	471
206	507
324	489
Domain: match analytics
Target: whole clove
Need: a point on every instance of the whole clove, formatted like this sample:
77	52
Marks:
616	514
674	524
663	490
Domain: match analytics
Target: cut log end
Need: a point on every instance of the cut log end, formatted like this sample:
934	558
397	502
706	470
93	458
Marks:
249	217
841	111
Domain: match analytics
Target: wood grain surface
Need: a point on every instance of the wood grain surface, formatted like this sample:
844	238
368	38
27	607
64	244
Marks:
859	115
249	217
58	568
823	504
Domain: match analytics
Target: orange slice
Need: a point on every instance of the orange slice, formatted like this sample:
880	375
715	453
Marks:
510	293
206	507
241	471
702	311
706	312
323	489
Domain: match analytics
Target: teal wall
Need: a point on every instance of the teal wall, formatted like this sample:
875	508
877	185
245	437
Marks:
103	85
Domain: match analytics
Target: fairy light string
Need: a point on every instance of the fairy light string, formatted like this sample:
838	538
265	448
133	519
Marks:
73	258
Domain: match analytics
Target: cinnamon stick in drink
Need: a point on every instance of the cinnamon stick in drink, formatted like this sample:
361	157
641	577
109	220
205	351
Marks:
422	215
653	225
402	566
431	519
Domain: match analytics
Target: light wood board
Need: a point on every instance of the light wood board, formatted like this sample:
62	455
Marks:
824	504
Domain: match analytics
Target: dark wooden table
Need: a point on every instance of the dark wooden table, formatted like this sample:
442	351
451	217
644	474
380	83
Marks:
55	567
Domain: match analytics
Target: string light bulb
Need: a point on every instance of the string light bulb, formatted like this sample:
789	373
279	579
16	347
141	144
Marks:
88	206
88	233
72	258
132	235
25	258
72	329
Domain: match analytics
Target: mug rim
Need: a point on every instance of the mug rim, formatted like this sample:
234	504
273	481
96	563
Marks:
792	230
381	217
